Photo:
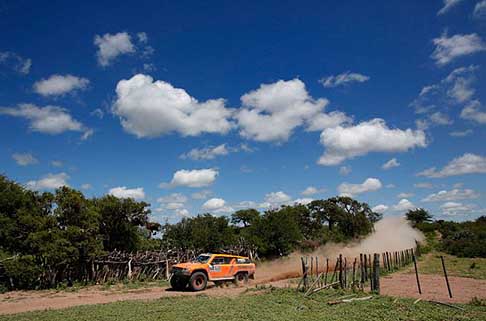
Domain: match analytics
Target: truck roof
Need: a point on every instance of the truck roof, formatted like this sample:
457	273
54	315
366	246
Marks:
223	254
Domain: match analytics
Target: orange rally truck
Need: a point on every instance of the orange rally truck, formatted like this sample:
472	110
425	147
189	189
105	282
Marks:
217	268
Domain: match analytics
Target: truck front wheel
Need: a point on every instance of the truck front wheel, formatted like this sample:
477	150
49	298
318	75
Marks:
198	281
178	283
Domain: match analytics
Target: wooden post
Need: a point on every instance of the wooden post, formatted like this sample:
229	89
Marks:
354	273
317	270
361	270
167	269
341	279
327	270
376	273
305	272
445	275
388	260
365	257
416	274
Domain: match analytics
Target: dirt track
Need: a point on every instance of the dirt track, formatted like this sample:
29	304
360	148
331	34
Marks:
398	284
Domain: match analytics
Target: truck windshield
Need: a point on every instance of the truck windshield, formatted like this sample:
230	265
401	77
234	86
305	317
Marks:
203	258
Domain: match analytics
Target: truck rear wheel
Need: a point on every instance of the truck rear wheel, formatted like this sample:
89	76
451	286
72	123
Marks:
241	278
178	283
198	281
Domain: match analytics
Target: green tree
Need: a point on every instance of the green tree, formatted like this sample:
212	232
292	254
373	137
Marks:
418	216
245	217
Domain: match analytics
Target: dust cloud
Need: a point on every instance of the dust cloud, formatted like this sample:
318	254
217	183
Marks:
391	234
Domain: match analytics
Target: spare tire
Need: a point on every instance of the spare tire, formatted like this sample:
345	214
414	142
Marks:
198	281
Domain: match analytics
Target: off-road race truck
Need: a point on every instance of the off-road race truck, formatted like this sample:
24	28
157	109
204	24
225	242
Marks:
217	268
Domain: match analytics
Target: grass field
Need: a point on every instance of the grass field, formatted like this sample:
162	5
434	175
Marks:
465	267
277	304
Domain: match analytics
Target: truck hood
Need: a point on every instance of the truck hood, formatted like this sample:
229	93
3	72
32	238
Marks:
190	265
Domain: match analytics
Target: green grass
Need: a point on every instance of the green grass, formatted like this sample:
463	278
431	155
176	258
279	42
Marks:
465	267
270	304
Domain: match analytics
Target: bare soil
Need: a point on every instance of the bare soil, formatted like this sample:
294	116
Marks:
433	287
23	301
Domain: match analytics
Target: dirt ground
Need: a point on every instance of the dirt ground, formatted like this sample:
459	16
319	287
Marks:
23	301
433	287
398	284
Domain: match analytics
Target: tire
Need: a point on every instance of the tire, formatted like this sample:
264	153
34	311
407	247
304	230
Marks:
241	278
178	283
198	281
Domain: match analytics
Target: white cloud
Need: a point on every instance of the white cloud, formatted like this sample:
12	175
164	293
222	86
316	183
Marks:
390	164
49	120
462	133
405	195
200	195
480	10
24	159
465	164
56	163
217	205
15	62
276	198
173	198
448	5
182	212
142	37
57	85
369	185
370	136
450	48
86	186
345	170
149	108
111	46
455	208
192	178
206	153
403	205
473	112
124	192
343	79
311	190
423	185
303	201
273	111
381	208
452	195
50	181
97	113
329	120
440	119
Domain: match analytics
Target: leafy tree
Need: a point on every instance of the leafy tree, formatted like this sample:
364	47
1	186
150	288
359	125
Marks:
355	218
245	217
418	216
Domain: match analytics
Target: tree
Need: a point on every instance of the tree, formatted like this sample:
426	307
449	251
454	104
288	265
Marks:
245	217
325	212
418	216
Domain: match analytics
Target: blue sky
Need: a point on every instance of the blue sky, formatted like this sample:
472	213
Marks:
212	107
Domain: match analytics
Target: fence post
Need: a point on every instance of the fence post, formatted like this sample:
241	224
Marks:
376	273
416	274
341	271
361	269
445	275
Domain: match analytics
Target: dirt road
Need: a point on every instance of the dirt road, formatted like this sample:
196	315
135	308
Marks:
23	301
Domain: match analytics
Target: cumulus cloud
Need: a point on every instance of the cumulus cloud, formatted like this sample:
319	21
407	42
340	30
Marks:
206	153
303	201
345	170
473	111
15	62
57	85
452	195
450	48
24	159
273	111
311	190
216	205
369	185
448	5
405	195
48	120
124	192
201	195
328	120
455	208
50	181
466	164
461	133
192	178
343	143
455	89
343	79
111	46
149	108
381	208
480	10
403	205
275	199
390	164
